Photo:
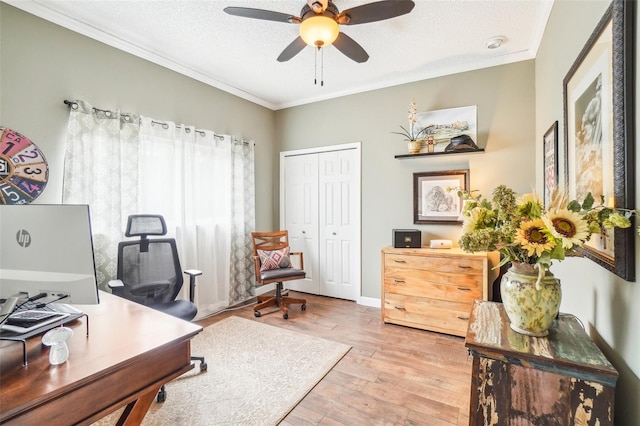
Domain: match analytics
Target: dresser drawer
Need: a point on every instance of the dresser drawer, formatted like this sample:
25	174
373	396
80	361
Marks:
440	290
427	313
414	278
452	264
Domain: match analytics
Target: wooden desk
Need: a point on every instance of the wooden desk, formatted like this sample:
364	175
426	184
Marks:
130	353
561	379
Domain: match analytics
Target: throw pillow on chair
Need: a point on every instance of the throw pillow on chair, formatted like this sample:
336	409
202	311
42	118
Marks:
274	259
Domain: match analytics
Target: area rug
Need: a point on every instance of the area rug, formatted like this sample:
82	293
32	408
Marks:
257	374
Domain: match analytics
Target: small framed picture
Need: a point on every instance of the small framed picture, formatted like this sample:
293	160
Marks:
550	152
435	196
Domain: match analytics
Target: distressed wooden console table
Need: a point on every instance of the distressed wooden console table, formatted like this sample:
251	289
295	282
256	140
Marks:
561	379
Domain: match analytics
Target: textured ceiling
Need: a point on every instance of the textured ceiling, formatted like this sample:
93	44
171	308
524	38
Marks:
238	55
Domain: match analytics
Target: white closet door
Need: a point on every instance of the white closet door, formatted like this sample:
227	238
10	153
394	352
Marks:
301	216
339	226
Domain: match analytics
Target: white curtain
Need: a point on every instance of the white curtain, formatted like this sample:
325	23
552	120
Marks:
190	176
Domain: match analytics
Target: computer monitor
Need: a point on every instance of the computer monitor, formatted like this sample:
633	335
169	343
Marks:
47	248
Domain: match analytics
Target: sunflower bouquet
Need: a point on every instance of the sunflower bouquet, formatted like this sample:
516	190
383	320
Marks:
525	232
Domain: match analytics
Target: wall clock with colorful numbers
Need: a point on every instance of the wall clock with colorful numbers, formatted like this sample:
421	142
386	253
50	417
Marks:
23	168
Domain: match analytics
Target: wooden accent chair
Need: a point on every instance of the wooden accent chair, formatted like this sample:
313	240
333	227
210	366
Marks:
271	257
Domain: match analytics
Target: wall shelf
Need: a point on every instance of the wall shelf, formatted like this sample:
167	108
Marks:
428	154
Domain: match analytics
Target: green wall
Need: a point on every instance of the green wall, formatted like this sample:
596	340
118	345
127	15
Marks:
504	96
41	64
606	304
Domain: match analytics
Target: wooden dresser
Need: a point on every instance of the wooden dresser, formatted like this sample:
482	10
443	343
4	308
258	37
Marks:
561	379
433	289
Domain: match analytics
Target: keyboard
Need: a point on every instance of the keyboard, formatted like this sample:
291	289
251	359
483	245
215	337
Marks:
7	308
26	321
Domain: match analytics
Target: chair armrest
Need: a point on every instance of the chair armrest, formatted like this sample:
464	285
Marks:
256	268
298	253
193	273
116	287
115	283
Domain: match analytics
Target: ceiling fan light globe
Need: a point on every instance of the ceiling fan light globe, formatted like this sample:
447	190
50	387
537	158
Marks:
319	30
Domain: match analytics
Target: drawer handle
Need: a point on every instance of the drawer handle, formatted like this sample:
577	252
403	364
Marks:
400	261
464	289
399	281
464	267
463	318
400	308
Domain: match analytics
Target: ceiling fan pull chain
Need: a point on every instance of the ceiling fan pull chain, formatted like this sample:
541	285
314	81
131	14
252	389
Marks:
315	66
321	67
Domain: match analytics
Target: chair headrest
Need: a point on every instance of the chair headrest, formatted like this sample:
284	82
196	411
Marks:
141	225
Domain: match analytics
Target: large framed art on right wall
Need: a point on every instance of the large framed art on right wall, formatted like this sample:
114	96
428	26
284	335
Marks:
599	99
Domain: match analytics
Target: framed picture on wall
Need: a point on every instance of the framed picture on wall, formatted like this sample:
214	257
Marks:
599	100
435	196
550	161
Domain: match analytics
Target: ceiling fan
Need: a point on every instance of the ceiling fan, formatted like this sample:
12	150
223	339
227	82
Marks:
319	24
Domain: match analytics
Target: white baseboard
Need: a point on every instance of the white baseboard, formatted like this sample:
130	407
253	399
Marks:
369	301
366	301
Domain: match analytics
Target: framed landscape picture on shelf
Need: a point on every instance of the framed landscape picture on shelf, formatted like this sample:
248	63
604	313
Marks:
433	202
445	124
599	95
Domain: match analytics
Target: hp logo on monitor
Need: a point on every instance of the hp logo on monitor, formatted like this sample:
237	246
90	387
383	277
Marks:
23	238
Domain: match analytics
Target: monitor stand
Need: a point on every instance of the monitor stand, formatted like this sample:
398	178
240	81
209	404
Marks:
22	337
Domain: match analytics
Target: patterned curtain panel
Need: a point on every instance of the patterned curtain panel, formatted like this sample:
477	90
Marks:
242	279
100	170
202	183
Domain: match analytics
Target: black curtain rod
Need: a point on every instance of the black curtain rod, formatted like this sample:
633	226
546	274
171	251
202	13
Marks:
73	104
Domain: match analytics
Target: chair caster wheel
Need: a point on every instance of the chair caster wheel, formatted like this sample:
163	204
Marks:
256	314
303	307
285	316
203	366
162	395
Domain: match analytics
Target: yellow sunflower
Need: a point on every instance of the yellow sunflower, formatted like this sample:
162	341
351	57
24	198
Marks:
534	237
569	226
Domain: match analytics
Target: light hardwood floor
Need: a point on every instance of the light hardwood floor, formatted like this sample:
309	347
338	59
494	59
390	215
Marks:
392	375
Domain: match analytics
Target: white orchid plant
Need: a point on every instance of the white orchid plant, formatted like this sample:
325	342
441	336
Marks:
412	134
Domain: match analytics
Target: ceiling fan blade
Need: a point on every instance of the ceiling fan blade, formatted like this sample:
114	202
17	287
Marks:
377	11
350	48
292	49
267	15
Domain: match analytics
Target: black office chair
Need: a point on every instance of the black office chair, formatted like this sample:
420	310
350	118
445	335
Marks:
149	273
